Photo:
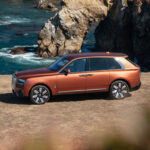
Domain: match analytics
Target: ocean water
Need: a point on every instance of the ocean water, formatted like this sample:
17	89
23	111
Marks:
20	23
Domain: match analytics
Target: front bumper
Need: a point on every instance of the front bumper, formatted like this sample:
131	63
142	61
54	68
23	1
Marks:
18	93
136	87
17	89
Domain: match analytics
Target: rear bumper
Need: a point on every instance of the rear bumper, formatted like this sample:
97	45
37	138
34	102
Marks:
136	87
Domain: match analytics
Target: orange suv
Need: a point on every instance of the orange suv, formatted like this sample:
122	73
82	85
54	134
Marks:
79	73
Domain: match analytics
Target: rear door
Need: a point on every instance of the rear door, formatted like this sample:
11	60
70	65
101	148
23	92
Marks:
98	77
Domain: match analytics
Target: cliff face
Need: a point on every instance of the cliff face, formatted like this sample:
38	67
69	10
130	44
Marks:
120	30
65	32
127	31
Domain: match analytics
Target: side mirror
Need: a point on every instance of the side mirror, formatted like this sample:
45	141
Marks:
67	71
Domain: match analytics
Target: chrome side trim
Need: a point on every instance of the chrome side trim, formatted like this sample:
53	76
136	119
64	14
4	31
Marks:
96	89
101	89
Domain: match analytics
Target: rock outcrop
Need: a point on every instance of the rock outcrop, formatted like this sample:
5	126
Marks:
47	4
22	50
127	31
65	32
19	50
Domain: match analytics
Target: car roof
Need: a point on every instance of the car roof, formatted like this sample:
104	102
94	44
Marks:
96	54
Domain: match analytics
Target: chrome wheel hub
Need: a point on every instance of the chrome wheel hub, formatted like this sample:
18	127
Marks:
120	90
40	95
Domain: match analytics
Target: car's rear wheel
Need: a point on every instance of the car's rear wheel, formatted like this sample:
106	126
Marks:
40	94
119	89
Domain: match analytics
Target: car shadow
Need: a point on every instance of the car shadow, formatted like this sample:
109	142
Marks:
80	97
11	99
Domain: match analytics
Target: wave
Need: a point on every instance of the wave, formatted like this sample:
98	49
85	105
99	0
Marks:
26	59
7	20
11	63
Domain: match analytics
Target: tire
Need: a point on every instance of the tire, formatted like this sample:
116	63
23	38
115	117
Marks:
40	94
119	90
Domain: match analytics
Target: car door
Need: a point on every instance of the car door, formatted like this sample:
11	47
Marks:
98	78
73	82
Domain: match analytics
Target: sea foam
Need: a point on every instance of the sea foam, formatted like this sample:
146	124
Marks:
7	20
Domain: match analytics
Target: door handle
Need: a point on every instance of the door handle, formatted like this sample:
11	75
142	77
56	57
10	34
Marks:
86	75
89	75
83	75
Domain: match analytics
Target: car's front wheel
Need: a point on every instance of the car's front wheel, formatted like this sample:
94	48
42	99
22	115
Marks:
40	94
119	89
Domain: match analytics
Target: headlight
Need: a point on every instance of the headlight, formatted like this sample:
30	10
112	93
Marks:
13	81
21	81
13	77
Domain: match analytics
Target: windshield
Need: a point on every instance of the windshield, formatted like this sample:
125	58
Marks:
60	63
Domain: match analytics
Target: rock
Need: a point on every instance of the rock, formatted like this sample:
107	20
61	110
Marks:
19	50
65	32
126	31
22	50
141	37
47	4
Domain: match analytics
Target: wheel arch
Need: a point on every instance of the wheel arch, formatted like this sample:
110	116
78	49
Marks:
40	84
121	80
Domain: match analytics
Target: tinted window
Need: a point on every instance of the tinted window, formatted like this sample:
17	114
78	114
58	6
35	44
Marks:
98	64
77	66
57	65
113	64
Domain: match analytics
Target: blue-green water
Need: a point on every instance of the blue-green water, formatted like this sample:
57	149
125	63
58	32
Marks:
20	23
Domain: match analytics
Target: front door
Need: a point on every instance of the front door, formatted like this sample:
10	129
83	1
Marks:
73	82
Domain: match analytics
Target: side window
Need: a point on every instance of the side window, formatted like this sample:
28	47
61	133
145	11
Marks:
98	64
113	64
78	65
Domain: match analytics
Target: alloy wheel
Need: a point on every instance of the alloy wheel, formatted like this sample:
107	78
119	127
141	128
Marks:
119	89
40	94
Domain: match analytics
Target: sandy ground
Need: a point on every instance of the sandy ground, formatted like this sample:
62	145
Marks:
74	116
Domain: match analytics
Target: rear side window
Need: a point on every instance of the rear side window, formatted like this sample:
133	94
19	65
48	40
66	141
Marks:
97	64
113	64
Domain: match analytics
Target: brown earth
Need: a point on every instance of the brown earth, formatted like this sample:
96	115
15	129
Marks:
73	116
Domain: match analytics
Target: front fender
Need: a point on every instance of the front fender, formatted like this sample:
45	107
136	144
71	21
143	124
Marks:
48	81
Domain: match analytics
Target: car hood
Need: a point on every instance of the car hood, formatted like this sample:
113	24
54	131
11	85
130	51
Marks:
34	73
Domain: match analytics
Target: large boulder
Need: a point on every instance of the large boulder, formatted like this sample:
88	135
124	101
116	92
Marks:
65	32
127	30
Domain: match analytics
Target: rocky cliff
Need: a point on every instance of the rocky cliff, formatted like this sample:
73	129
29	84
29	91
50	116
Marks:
121	29
65	32
127	31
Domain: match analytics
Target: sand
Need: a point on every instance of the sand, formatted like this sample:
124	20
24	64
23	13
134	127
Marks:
73	116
